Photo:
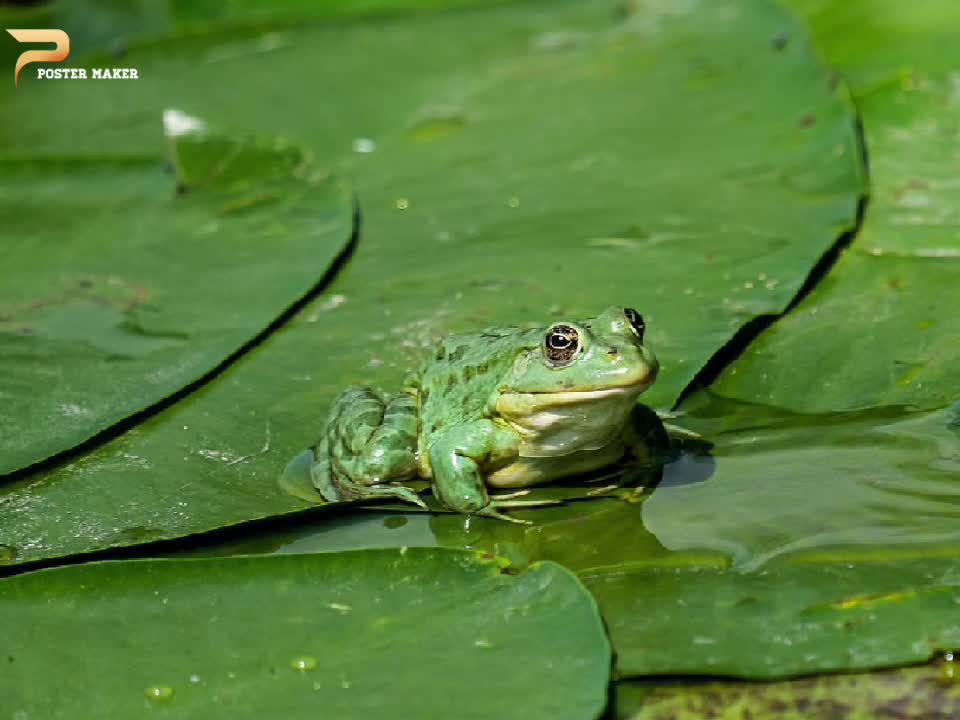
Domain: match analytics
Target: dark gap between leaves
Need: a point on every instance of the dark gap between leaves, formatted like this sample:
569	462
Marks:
168	548
747	333
121	426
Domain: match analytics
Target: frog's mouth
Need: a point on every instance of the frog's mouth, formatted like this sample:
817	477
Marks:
525	404
569	397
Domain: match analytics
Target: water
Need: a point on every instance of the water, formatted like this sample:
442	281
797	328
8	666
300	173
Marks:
775	484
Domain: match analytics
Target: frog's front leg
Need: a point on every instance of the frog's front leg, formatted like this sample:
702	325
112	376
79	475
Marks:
369	443
456	459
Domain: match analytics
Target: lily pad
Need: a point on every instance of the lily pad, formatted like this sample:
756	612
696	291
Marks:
825	543
788	618
116	291
880	329
368	634
787	483
492	191
809	545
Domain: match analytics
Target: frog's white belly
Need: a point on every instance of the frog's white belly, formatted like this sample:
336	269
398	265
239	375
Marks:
526	471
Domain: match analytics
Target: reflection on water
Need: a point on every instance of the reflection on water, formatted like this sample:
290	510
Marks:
775	484
689	468
786	483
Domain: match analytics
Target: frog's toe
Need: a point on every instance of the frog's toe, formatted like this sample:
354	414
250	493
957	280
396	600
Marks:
498	502
681	433
509	496
396	491
335	487
323	477
492	512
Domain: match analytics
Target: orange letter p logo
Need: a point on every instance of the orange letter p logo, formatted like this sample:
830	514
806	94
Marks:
60	52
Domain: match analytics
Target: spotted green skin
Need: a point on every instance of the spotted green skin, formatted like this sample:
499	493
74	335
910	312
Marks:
490	409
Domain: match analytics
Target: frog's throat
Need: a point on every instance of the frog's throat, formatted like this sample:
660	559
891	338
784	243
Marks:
556	424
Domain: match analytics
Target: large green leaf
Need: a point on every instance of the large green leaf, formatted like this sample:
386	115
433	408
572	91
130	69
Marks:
371	634
116	291
789	618
927	692
880	329
808	544
547	166
819	543
111	25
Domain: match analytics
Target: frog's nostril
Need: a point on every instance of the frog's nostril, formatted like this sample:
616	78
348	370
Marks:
612	352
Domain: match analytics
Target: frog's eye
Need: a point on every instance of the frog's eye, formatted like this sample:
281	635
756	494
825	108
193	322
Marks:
561	344
636	322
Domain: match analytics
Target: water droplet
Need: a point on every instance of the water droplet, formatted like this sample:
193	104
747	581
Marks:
402	203
394	521
158	693
333	302
513	201
303	664
8	553
364	145
194	679
780	40
948	669
483	643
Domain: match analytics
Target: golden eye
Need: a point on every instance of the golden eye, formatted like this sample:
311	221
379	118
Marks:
636	322
561	344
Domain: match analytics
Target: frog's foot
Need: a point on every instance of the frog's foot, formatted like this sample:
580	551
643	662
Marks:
681	433
337	487
368	448
510	496
390	490
605	490
340	488
507	502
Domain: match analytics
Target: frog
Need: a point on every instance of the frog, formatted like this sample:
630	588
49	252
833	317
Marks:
503	409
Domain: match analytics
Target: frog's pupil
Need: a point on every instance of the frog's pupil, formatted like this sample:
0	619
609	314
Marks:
561	344
636	322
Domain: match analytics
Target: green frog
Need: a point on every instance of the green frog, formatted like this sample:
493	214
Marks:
504	408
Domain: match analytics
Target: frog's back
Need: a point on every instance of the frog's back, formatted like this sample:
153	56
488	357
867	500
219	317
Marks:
457	382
